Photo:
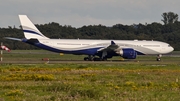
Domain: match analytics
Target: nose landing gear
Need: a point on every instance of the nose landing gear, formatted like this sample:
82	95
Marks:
159	57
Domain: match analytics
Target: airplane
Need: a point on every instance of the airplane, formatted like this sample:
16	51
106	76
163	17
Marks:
96	50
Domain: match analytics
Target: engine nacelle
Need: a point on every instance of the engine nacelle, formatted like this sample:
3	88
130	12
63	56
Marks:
127	53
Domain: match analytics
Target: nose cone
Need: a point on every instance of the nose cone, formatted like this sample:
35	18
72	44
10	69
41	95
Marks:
167	50
171	49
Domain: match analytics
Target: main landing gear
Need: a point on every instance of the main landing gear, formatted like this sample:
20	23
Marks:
93	58
159	57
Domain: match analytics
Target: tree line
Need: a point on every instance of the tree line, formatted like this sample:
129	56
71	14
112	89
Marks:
168	32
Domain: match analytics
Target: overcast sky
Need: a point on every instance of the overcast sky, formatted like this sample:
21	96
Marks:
78	13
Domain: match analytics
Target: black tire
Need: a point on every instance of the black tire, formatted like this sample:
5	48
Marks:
86	59
158	59
104	59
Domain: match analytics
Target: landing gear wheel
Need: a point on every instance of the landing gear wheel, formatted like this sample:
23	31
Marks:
104	59
86	59
158	59
96	59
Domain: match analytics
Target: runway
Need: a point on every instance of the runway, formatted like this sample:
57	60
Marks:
37	56
94	62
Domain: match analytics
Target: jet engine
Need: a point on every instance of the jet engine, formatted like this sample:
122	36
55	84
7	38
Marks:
127	53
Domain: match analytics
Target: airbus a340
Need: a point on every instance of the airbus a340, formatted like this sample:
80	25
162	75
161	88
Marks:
94	49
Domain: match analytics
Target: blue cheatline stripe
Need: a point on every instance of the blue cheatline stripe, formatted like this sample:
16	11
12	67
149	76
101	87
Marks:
32	32
91	51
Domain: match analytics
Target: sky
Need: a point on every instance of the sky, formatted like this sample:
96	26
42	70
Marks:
78	13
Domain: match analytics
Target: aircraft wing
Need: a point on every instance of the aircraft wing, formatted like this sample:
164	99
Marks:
127	53
111	47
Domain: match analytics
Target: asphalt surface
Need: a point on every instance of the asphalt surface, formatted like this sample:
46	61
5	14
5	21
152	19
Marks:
91	62
174	58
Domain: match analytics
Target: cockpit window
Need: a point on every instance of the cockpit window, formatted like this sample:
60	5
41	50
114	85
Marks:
169	45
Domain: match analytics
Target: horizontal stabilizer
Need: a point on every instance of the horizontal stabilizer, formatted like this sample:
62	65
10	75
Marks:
17	39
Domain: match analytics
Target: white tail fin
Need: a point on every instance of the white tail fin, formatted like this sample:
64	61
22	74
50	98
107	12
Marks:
29	29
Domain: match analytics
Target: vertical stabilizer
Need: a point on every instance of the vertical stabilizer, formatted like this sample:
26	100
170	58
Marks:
29	29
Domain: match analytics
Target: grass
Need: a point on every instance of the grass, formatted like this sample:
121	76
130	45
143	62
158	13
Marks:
81	82
92	81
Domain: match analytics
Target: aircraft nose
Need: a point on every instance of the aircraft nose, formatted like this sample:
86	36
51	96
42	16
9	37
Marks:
171	49
168	49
